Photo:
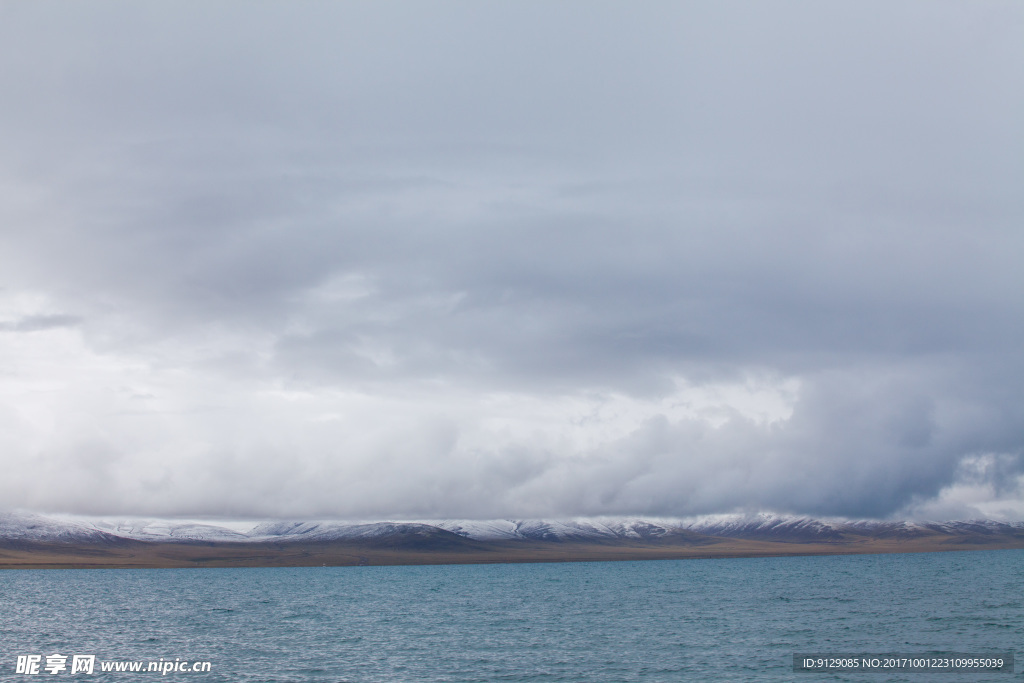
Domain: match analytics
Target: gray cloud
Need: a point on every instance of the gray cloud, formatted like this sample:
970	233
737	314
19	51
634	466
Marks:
376	259
34	323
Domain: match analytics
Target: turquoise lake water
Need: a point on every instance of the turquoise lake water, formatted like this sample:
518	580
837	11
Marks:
686	620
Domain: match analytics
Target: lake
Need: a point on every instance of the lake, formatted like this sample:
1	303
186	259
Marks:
671	620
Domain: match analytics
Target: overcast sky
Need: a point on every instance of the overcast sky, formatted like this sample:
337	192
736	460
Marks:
373	260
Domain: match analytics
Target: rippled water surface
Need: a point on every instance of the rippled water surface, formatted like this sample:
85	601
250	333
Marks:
736	619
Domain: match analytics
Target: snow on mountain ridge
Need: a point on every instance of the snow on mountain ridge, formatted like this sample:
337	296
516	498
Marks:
23	526
156	530
557	530
332	531
768	526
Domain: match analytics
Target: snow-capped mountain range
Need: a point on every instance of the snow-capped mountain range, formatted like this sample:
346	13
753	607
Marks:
29	527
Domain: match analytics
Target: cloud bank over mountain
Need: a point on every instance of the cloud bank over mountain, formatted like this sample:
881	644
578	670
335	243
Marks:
380	260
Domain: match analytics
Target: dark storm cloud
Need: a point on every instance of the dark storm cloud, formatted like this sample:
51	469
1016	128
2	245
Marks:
435	206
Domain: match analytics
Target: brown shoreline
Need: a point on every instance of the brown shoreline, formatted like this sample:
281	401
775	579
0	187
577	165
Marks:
140	554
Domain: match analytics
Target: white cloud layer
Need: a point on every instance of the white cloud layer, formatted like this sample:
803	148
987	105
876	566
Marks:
379	260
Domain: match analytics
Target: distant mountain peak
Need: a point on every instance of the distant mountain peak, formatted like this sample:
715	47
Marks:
25	527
